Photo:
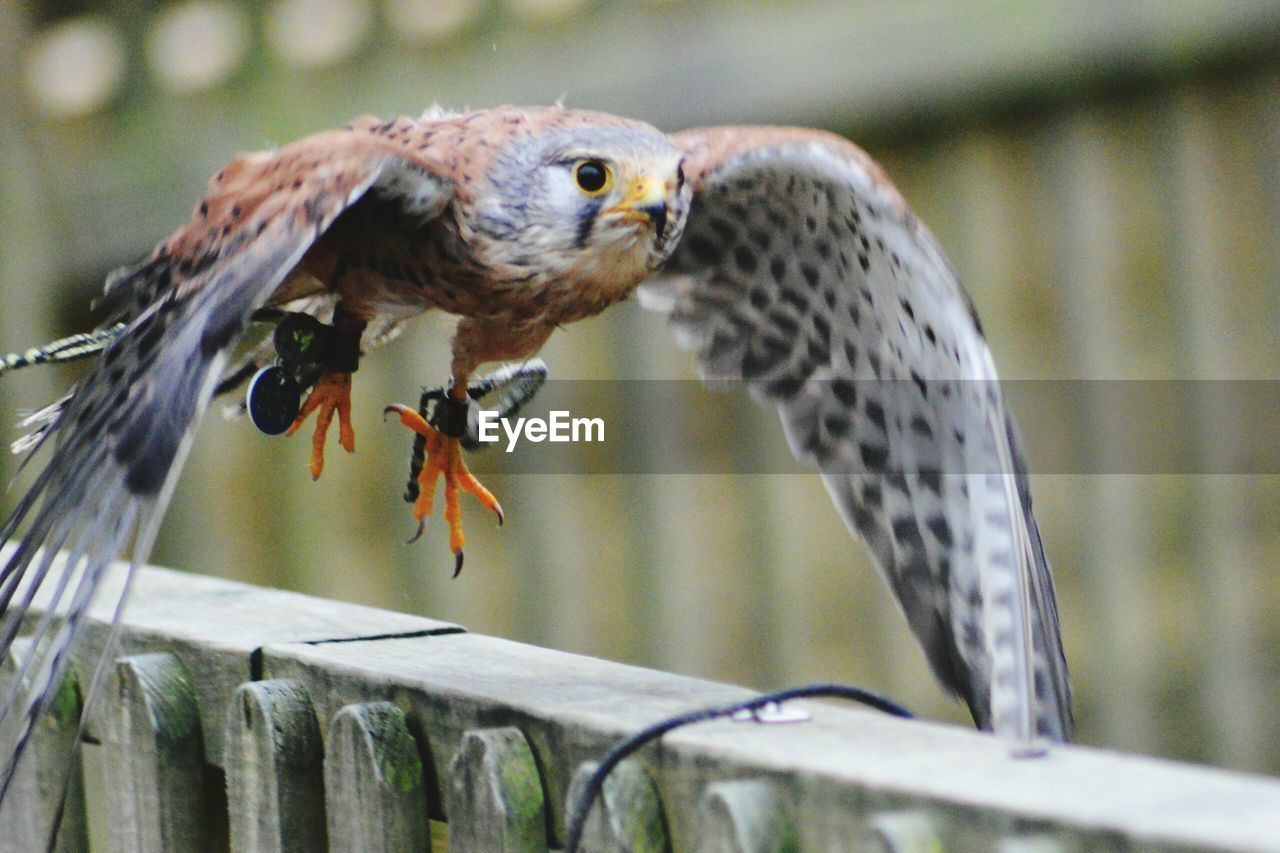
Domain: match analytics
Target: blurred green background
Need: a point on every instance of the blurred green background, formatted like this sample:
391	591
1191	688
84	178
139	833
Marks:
1104	175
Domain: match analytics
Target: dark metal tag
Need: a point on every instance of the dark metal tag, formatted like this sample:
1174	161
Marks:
273	400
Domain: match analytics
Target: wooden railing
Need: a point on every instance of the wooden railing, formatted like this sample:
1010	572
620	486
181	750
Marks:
328	723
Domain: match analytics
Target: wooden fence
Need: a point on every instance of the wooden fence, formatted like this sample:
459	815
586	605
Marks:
275	721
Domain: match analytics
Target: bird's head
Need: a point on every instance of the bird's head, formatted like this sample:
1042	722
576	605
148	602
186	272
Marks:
596	200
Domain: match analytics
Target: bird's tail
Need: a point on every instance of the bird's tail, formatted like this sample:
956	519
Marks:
71	348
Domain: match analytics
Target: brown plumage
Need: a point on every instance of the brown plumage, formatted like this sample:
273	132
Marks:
785	257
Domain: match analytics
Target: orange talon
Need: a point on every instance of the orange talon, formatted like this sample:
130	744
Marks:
332	392
453	515
431	471
444	457
468	483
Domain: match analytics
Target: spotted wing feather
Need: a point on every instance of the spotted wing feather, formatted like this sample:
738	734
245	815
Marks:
120	437
803	272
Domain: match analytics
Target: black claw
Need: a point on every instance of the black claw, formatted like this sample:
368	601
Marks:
457	565
422	525
502	517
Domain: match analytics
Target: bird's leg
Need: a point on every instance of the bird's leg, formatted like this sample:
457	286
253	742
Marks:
330	354
515	386
441	446
331	393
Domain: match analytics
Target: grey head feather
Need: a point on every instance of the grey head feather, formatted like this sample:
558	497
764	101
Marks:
526	208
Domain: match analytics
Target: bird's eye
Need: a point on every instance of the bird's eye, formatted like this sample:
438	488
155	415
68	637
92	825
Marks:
592	176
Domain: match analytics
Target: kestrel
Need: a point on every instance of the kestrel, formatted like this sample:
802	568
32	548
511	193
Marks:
784	256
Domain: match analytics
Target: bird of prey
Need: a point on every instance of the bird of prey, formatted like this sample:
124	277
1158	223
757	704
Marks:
784	257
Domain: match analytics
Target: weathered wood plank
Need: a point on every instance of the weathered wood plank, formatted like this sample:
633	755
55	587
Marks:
215	627
1119	549
374	790
155	758
1034	844
626	815
275	769
494	796
902	832
32	802
745	816
1208	270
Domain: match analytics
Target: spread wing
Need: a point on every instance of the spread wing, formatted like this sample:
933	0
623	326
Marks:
803	272
120	438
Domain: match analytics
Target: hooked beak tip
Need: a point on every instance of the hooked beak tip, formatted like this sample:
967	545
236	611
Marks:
657	213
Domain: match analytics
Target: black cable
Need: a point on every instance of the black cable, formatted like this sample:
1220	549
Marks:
582	806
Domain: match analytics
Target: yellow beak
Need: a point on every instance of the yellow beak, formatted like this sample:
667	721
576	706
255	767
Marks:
645	201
